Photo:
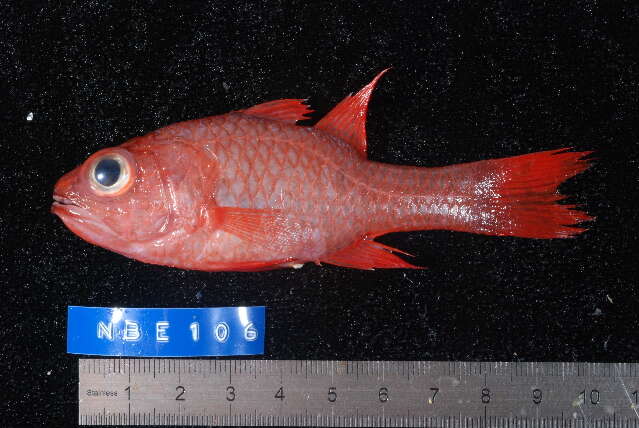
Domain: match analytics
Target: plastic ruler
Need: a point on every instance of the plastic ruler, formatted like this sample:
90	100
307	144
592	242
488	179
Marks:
249	392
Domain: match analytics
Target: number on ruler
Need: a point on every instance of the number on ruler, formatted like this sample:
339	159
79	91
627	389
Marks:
383	394
594	396
332	394
485	395
230	393
280	393
536	395
180	389
128	389
431	400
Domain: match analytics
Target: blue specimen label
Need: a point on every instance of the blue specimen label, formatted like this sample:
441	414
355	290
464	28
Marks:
166	332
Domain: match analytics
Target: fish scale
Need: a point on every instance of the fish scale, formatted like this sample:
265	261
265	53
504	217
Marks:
297	184
251	190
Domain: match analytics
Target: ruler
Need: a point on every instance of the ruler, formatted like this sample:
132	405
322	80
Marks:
241	392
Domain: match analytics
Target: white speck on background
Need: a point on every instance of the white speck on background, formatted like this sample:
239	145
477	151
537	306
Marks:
609	298
49	372
30	116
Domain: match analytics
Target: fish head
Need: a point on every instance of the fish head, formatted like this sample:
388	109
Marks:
117	199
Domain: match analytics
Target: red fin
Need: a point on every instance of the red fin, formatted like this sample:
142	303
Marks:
286	110
248	266
367	254
262	227
530	191
347	120
521	195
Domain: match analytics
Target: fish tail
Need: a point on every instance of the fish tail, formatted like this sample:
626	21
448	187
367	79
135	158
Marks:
518	196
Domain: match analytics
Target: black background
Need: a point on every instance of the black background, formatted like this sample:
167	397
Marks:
469	82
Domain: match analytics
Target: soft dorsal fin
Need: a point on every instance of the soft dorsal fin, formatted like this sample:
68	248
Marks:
347	120
286	110
368	254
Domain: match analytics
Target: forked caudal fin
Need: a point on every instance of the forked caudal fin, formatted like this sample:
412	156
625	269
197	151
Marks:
518	196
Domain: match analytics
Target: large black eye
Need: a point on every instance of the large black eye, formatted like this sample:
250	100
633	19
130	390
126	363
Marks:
107	172
111	172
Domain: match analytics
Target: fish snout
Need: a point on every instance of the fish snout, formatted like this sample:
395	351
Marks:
63	193
64	186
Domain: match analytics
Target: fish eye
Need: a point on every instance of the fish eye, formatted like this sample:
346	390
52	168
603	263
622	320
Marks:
110	175
107	172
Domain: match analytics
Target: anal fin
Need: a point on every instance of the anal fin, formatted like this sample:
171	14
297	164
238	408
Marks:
368	254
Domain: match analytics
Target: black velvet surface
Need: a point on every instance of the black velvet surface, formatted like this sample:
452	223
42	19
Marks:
469	82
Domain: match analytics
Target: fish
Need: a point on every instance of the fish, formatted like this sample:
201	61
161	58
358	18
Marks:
253	190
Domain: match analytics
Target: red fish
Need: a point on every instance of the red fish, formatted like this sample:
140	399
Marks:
251	190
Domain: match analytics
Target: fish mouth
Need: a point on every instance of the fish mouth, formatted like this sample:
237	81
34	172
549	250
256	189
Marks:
63	206
73	215
61	200
81	221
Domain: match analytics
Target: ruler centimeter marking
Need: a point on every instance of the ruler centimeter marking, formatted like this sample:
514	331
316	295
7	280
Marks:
199	392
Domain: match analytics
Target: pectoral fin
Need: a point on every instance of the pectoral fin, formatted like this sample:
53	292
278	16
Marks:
263	227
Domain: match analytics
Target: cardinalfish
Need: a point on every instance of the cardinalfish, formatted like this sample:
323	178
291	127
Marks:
251	190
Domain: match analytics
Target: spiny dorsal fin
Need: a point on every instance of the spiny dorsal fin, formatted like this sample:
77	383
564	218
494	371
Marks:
286	110
347	120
